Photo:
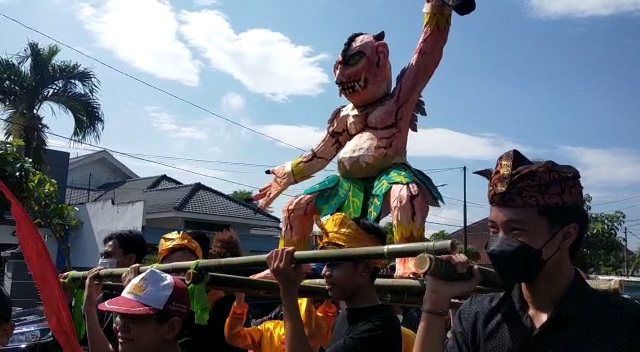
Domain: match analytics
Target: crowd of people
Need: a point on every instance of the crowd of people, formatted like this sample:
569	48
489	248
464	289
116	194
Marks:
537	222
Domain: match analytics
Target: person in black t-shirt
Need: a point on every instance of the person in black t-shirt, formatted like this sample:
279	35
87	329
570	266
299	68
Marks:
365	324
537	222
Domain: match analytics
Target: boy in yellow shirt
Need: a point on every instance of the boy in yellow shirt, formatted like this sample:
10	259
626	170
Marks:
269	336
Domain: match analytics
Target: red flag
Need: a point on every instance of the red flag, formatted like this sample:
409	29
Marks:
44	275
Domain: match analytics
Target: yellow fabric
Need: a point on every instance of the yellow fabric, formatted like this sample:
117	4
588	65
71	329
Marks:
437	20
270	335
408	233
302	244
339	231
297	170
175	240
408	339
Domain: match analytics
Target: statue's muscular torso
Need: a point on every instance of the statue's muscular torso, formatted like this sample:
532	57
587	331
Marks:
376	140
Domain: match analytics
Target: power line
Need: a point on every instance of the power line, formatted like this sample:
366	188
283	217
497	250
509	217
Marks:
144	159
197	106
235	163
616	201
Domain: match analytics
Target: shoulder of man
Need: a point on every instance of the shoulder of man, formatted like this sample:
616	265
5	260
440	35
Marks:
609	305
478	308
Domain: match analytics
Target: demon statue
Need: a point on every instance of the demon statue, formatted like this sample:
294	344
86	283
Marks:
369	137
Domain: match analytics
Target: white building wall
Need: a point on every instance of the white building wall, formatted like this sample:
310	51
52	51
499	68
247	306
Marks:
98	220
7	237
94	174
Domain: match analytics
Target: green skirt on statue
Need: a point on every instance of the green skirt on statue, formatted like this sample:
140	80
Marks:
357	197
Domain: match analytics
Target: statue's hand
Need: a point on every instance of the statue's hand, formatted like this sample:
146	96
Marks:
279	183
461	7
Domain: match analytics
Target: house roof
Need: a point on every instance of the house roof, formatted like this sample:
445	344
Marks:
165	194
477	237
102	154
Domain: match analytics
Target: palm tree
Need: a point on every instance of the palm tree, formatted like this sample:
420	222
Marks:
33	79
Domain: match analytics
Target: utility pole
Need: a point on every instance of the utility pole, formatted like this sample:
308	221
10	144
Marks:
626	256
464	210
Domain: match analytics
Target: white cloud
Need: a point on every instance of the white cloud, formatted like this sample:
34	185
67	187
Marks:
143	34
304	137
168	123
609	167
434	142
582	8
232	102
264	61
441	142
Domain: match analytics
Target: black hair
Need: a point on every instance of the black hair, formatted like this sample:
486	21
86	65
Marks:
559	217
202	239
130	241
347	44
374	230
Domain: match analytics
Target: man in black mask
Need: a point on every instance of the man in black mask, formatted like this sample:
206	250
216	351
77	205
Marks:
537	222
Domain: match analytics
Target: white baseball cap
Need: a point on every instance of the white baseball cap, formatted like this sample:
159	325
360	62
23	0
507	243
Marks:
150	293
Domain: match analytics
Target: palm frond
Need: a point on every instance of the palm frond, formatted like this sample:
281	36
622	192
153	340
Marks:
86	112
71	76
14	81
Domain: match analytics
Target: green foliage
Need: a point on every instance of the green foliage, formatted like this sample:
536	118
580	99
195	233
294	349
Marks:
245	196
602	249
472	254
34	79
439	235
387	227
37	193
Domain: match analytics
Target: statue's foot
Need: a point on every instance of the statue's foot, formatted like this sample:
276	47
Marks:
405	268
265	275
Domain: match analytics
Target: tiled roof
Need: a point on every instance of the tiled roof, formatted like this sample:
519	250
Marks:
477	237
165	194
77	195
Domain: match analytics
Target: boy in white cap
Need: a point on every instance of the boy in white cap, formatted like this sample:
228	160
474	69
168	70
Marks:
149	315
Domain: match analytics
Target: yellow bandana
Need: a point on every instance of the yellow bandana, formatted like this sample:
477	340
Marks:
339	231
176	240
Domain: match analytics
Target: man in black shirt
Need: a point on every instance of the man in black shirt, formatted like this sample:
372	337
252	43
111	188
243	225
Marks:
365	324
120	249
537	222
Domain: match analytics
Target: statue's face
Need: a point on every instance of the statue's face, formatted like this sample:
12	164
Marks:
363	71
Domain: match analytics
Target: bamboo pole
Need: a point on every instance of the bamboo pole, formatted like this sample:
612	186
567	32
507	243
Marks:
431	265
414	286
393	291
301	257
271	289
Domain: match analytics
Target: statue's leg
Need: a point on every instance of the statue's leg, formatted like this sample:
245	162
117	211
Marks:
297	225
409	205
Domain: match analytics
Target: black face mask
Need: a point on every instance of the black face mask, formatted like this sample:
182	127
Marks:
515	261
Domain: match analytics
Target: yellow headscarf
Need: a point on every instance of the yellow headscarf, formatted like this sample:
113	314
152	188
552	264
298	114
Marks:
339	231
175	240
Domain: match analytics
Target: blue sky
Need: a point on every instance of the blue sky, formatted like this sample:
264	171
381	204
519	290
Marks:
555	78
